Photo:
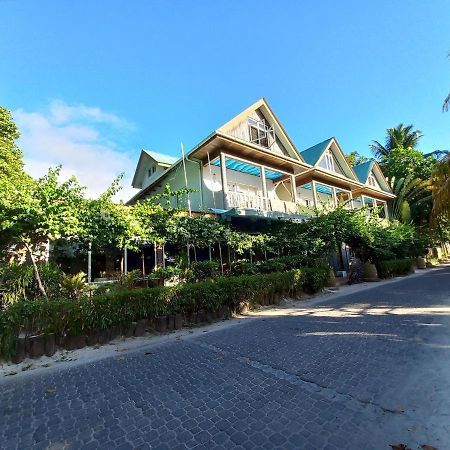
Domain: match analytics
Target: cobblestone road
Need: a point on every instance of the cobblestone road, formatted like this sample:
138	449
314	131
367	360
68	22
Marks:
360	371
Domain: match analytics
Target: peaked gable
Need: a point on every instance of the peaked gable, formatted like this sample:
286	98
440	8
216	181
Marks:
316	155
371	168
150	163
259	125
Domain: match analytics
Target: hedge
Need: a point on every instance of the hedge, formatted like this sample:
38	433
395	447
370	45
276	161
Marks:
119	308
394	267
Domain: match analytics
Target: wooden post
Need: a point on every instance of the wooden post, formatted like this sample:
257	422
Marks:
125	260
293	189
156	255
223	172
313	187
386	212
264	187
89	272
351	201
143	262
220	256
333	191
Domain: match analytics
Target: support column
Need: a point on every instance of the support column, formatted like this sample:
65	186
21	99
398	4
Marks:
335	202
352	205
264	187
89	272
313	187
293	189
386	212
223	172
125	260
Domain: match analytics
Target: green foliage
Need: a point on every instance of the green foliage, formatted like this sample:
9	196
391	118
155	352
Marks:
394	267
119	308
74	286
354	158
399	136
202	270
403	161
314	279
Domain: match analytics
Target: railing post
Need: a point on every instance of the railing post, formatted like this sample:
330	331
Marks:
313	186
293	189
264	187
223	172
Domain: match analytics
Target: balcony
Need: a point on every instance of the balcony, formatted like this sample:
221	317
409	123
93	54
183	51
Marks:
260	203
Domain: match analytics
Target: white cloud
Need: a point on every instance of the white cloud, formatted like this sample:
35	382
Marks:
70	136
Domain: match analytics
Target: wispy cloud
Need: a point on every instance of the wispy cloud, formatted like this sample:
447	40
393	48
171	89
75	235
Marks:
71	136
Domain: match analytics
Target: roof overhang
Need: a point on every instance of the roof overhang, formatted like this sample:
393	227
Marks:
220	142
332	178
374	193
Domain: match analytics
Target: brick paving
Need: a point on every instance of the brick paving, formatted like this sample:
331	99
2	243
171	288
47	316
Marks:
360	371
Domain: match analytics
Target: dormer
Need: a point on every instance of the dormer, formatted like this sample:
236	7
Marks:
150	165
370	174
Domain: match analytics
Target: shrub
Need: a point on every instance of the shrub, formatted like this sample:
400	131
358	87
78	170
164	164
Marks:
120	307
394	267
201	270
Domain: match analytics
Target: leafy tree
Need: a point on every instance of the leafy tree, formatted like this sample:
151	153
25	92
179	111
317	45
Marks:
399	136
42	210
441	192
409	191
401	162
354	158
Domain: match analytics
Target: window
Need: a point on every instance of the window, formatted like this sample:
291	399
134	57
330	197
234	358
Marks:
151	171
328	162
260	132
372	181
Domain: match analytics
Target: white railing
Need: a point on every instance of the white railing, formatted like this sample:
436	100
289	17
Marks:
241	200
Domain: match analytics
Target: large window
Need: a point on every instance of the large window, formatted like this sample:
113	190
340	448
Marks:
260	133
328	162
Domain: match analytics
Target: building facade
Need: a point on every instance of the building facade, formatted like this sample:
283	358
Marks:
250	167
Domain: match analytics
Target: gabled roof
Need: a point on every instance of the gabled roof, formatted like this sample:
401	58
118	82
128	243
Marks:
266	110
312	154
362	170
161	157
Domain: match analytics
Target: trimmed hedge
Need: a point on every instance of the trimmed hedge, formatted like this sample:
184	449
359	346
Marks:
119	308
394	267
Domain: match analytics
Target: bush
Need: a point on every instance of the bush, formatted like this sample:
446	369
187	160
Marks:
202	270
394	267
118	308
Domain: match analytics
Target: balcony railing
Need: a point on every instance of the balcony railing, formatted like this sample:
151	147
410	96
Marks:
259	203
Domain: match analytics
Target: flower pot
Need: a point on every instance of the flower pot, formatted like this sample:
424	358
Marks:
19	353
49	344
36	345
370	272
421	263
178	321
161	324
331	281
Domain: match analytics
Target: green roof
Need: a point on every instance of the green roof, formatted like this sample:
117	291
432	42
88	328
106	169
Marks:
363	170
312	154
161	157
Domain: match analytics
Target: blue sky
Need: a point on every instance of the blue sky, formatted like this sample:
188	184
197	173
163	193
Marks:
90	83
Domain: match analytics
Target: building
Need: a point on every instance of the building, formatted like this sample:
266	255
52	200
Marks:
250	167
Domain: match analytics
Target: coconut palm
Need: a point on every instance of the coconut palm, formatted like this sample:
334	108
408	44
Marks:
399	136
408	191
441	191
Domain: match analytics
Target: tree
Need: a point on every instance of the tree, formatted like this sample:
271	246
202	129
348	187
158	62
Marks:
399	136
403	161
354	158
441	192
409	191
42	210
446	104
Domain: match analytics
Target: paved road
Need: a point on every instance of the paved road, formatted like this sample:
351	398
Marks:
361	371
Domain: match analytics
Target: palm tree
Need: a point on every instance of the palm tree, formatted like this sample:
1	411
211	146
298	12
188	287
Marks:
408	191
446	105
441	191
400	136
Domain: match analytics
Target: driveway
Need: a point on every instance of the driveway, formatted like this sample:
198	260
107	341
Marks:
358	371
